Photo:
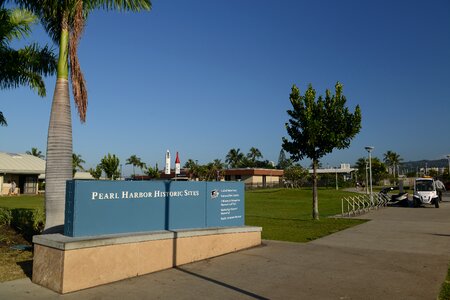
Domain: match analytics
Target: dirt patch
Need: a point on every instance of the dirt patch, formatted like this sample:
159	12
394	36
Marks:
14	263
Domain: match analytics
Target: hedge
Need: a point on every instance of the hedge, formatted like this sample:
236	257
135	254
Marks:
26	221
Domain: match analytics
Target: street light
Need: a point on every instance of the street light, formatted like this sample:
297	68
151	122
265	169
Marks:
369	150
448	157
367	178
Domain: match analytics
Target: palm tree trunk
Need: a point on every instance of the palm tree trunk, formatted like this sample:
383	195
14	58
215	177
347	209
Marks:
315	213
59	144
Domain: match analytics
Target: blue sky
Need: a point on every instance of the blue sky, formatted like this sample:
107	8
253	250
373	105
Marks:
201	77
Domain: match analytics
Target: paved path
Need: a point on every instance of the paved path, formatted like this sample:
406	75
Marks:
402	253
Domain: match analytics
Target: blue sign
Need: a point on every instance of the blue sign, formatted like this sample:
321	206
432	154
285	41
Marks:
224	204
110	207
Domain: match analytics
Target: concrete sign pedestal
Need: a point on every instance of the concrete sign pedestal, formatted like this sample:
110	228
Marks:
67	264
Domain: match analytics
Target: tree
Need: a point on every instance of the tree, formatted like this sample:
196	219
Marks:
295	176
193	168
35	152
110	165
378	169
392	160
316	128
361	166
254	154
64	22
27	65
153	172
97	172
283	162
234	158
135	162
76	163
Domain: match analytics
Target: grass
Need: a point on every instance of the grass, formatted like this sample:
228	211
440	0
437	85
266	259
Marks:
23	201
445	288
14	264
285	214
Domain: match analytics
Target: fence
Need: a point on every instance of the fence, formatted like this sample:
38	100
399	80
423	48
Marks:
356	205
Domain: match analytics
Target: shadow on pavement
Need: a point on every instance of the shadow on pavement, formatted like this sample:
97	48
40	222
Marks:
250	294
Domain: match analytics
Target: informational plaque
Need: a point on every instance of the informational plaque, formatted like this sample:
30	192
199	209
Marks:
110	207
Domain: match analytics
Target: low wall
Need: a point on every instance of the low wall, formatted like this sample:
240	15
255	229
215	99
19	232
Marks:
66	264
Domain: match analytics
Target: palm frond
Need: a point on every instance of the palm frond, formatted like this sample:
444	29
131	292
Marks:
77	78
20	21
26	66
2	120
49	13
120	5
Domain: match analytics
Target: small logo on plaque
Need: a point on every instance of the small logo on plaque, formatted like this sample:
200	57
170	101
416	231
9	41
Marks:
214	194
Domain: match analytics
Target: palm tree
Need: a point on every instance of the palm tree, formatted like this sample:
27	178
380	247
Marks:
27	65
76	163
64	22
254	154
35	152
153	172
392	160
97	172
135	162
217	169
234	158
110	165
193	168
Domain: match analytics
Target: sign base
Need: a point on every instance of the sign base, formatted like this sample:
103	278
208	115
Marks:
67	264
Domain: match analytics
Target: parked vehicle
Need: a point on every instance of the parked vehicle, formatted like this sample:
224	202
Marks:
396	199
425	192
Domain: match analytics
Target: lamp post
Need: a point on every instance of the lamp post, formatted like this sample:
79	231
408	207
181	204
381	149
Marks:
448	157
337	187
367	178
369	150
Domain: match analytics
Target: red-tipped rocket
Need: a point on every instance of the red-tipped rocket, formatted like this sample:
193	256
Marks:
177	164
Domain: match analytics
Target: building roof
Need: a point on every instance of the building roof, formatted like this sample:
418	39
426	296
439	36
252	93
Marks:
17	163
254	172
333	170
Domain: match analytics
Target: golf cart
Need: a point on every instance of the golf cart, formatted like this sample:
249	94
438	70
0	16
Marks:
425	192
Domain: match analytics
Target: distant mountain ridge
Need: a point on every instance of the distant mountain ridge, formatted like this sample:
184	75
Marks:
438	163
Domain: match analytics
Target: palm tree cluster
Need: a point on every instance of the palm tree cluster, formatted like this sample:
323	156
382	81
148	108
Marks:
25	66
392	161
109	164
135	162
210	172
236	159
153	172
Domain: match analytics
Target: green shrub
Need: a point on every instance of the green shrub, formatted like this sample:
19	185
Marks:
5	216
27	222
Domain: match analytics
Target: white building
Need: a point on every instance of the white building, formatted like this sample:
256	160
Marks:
23	169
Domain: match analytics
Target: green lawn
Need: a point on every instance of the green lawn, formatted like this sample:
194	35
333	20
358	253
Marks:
22	201
285	214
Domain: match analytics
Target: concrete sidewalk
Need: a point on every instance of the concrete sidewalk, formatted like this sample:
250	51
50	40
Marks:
402	253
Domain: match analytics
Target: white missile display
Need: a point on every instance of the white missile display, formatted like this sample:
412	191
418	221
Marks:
177	165
167	168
